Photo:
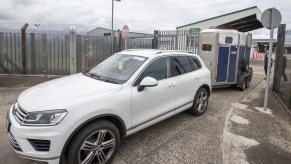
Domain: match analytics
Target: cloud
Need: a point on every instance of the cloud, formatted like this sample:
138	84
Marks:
140	16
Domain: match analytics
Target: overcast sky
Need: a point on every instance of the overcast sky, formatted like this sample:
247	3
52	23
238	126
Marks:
139	15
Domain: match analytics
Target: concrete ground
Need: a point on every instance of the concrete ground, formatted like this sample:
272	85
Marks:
255	135
185	138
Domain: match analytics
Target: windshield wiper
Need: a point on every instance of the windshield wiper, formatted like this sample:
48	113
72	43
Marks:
97	77
109	81
86	73
92	75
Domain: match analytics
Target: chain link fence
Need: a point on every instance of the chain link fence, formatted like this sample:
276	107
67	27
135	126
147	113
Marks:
282	84
285	83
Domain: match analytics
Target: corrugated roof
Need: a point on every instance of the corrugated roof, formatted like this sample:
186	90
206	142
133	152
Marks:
219	16
247	19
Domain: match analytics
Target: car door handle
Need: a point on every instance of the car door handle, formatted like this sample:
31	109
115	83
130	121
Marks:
171	85
197	78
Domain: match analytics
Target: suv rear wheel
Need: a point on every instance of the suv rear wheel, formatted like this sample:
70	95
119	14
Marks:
97	142
200	102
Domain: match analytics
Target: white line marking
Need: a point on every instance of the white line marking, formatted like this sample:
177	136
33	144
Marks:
239	120
268	111
257	66
259	73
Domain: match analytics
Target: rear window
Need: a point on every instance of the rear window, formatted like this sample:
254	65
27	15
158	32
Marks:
181	65
195	63
206	47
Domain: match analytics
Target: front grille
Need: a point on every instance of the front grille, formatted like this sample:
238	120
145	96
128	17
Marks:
19	113
40	145
14	142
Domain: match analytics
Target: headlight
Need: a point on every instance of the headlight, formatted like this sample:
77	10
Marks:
49	117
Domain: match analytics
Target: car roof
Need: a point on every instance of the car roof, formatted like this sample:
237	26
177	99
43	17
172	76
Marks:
153	52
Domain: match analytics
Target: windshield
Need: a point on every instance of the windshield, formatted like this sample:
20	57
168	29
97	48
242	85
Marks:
117	68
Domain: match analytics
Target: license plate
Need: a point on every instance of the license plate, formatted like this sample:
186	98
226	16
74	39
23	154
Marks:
8	122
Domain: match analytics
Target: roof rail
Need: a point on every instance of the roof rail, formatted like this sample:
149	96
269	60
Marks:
141	49
175	51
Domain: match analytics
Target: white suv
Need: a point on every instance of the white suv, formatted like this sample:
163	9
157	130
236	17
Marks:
81	118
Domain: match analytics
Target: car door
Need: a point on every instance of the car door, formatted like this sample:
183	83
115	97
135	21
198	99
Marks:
153	102
186	79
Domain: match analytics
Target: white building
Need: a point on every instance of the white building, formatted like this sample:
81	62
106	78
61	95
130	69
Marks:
99	31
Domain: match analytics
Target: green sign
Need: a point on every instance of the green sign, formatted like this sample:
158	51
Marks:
194	30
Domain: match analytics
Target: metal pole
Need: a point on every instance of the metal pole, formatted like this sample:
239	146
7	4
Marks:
269	61
23	46
112	18
125	44
86	53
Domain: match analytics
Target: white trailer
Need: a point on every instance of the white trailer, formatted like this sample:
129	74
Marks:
226	53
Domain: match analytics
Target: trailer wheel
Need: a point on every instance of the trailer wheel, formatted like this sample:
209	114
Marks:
245	65
243	86
248	80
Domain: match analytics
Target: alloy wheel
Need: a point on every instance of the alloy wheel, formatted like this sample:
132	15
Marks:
97	147
202	101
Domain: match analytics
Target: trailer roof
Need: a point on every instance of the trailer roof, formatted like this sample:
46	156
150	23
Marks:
242	20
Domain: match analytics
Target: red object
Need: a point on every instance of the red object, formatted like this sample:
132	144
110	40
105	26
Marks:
256	55
125	30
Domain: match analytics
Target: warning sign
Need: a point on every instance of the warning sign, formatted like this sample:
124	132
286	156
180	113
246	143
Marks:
206	42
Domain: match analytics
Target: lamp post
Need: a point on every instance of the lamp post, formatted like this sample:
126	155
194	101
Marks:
36	25
112	32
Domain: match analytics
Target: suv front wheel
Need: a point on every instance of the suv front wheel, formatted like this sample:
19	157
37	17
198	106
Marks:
200	102
96	142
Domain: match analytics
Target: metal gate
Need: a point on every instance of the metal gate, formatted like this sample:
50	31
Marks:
137	42
178	40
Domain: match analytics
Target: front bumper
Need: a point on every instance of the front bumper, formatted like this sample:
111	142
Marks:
20	138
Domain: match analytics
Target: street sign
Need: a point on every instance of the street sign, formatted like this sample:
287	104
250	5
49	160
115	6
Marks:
194	30
271	18
125	30
267	17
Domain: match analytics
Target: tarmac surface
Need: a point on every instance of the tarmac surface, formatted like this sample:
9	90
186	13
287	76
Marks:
231	130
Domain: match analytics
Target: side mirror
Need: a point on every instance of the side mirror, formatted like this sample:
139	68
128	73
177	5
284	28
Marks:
147	82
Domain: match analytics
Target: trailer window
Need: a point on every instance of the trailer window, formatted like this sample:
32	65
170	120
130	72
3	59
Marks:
206	47
228	40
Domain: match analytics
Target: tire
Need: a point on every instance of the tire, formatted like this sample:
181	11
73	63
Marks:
96	142
200	102
245	66
248	82
243	86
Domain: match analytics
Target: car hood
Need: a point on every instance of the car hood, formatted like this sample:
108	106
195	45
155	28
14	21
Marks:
64	92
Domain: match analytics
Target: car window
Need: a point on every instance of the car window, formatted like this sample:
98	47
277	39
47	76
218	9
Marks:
181	65
195	63
158	69
118	68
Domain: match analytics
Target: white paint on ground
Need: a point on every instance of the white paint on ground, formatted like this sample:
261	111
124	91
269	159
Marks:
268	111
238	105
262	73
234	146
239	120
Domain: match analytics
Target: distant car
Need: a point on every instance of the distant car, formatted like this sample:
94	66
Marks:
81	118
